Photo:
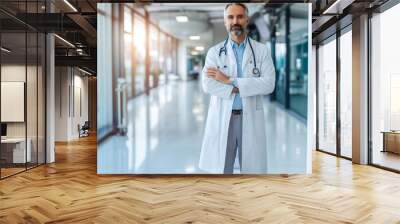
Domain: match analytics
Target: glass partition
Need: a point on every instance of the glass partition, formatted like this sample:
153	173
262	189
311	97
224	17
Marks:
14	153
22	77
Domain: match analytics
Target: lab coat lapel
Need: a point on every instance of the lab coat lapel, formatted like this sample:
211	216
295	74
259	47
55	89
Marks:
247	56
231	61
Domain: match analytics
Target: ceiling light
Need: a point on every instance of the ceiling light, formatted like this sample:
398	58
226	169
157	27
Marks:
182	19
70	5
337	7
199	48
65	41
194	37
5	50
194	53
86	72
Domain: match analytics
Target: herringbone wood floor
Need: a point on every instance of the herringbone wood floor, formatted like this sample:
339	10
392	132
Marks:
70	191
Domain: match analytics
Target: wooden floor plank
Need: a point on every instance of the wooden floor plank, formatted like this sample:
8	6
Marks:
70	191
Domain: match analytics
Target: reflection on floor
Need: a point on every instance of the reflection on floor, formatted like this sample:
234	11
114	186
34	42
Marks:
8	169
386	159
298	103
166	128
5	172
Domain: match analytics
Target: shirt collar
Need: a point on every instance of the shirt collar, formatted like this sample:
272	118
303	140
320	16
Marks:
235	45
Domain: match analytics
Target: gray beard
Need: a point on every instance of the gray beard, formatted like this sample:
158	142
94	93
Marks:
237	32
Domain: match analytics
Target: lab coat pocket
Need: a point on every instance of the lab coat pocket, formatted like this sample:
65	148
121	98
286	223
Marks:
259	103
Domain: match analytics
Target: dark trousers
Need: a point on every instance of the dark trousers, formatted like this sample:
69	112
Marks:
234	143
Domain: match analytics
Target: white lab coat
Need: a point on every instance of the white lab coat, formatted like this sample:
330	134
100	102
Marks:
252	89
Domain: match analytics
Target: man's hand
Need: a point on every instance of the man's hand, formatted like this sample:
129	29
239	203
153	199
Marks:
217	75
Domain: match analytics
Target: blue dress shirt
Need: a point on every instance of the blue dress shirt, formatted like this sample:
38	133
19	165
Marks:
238	50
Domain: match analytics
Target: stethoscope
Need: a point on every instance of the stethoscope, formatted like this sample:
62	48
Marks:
256	71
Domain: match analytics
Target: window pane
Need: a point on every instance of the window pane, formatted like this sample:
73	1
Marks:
154	55
327	97
163	58
385	85
139	43
127	20
345	94
299	61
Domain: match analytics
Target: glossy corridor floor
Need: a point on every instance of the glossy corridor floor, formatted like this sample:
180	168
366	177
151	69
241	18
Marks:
165	133
70	191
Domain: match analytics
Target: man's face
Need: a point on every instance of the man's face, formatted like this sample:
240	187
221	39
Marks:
236	20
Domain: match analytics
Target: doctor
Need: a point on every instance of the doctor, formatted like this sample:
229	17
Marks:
238	72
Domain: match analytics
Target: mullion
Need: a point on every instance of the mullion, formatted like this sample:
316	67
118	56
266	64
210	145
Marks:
338	98
37	90
0	94
26	86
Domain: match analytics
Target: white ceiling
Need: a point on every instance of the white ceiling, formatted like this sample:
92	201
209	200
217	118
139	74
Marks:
202	18
185	6
205	20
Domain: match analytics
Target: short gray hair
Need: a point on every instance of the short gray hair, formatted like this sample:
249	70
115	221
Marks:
239	4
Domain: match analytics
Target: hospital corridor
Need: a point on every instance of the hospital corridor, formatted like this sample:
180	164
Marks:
165	131
153	109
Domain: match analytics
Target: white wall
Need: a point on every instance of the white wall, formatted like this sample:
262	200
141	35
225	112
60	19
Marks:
61	103
33	125
12	73
71	94
50	95
81	83
219	32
